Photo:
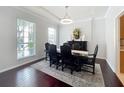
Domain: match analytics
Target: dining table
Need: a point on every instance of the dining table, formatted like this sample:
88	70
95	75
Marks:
79	54
76	52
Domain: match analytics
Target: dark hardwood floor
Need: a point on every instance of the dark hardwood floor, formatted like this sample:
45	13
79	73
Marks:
110	78
25	76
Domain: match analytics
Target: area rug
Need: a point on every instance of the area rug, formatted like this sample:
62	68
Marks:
77	79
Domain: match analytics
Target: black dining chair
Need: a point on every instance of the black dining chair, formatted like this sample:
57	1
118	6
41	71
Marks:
47	50
68	59
54	56
76	46
90	60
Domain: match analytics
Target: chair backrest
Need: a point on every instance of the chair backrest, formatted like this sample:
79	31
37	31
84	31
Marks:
95	54
65	51
76	46
66	44
52	51
96	51
47	46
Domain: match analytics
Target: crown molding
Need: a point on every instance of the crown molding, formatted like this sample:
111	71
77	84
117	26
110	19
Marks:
39	12
49	12
107	12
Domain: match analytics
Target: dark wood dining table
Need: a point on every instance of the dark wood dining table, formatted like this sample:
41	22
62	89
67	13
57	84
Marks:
78	52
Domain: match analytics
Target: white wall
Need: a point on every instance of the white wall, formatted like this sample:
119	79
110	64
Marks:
8	16
98	37
94	29
65	31
100	29
112	36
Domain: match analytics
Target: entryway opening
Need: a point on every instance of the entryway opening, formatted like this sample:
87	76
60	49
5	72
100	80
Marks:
122	44
120	68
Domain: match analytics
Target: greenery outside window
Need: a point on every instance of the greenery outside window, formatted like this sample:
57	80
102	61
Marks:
51	35
25	38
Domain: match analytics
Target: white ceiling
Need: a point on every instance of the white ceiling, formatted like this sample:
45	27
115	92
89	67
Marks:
77	12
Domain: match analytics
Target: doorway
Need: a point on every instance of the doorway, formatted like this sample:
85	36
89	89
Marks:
122	44
120	47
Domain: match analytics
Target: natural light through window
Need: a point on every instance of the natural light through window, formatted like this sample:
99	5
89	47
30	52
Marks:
51	35
25	38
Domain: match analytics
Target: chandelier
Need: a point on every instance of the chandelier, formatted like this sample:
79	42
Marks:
66	19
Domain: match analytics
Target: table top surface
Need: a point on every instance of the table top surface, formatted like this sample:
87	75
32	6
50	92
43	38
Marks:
81	52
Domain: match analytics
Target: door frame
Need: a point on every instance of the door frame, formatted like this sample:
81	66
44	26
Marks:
117	42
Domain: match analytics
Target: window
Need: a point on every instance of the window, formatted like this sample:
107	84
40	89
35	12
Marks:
25	38
51	35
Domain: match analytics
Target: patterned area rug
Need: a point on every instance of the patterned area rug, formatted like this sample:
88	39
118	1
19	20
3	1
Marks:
78	79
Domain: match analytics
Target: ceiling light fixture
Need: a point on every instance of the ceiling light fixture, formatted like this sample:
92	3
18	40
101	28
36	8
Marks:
66	19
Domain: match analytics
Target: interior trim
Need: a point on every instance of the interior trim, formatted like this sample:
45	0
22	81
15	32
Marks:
13	67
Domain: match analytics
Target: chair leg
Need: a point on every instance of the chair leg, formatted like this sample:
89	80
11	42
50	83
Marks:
71	71
50	64
62	67
94	69
56	65
46	57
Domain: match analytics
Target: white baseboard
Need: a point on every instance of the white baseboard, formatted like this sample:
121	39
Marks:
102	58
110	66
7	69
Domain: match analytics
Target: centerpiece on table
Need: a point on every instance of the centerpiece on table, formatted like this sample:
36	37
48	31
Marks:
76	33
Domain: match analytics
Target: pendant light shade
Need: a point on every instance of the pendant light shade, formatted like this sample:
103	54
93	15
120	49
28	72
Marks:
66	19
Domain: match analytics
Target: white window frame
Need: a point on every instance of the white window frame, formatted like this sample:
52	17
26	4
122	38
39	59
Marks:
33	40
54	35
